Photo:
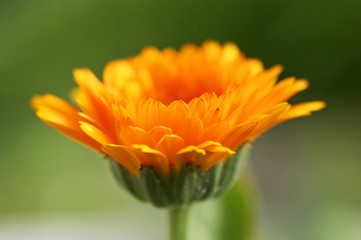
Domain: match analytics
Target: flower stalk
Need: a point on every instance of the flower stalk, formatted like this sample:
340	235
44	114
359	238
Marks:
178	222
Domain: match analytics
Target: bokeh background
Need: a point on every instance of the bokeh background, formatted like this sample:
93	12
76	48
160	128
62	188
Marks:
308	170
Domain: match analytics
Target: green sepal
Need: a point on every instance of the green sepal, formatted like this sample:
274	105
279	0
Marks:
232	168
128	180
209	181
187	185
183	185
157	188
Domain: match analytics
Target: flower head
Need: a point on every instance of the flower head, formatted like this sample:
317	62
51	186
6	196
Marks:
166	109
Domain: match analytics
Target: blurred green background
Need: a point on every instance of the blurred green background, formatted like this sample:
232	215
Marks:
308	170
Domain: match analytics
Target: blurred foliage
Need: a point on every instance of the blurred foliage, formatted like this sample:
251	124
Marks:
308	169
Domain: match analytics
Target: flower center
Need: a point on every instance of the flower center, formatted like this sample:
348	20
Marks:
184	86
190	72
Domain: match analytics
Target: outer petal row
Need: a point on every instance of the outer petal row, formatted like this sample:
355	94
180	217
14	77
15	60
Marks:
64	117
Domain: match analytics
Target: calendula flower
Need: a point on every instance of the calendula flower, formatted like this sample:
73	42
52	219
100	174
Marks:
169	111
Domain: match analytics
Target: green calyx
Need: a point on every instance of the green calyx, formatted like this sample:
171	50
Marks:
184	187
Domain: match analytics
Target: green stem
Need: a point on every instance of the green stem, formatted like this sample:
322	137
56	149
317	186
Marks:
178	222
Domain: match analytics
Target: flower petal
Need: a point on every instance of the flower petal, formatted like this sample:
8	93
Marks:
189	154
158	132
267	121
134	135
302	109
190	130
151	113
126	156
237	134
95	133
216	155
213	132
169	145
214	152
91	97
64	117
55	103
179	111
155	158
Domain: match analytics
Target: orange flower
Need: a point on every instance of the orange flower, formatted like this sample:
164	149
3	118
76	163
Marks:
167	108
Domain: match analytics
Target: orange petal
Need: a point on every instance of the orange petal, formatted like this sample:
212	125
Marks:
188	155
213	132
95	133
269	77
117	74
123	77
211	116
169	145
234	137
302	109
55	103
211	146
285	89
86	117
158	132
134	135
215	153
190	130
91	97
238	115
270	120
151	113
230	54
67	126
87	80
126	156
221	155
155	158
178	112
198	106
122	115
